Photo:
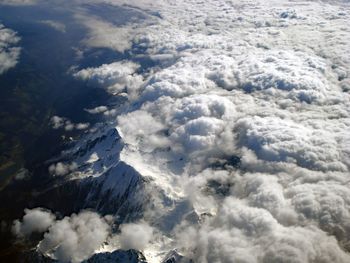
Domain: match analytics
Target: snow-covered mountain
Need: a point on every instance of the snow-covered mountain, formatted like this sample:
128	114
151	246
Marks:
108	184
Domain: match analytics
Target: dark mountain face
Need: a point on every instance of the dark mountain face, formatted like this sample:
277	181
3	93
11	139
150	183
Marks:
130	256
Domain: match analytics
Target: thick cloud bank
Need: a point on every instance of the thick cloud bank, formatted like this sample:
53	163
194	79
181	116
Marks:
9	53
241	233
241	130
265	82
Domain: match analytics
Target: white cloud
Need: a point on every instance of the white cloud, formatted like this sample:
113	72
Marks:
137	126
35	220
135	236
60	168
294	75
274	139
248	234
62	122
116	77
97	110
104	34
57	122
82	126
9	53
250	80
71	239
75	238
55	25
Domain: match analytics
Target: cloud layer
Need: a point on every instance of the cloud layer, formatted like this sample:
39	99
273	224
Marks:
247	81
240	131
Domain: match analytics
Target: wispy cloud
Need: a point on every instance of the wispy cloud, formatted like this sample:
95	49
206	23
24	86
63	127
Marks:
9	52
18	2
55	25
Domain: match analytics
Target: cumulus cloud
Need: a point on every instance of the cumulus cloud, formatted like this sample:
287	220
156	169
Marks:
60	168
274	139
71	239
61	122
294	75
35	220
9	53
108	112
135	236
116	77
249	234
97	110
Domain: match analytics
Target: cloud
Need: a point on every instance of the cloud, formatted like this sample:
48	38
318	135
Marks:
274	139
57	122
135	236
35	220
97	110
9	53
18	2
138	125
116	77
294	75
82	126
103	110
249	234
60	168
272	95
61	122
55	25
326	204
71	239
104	34
75	238
22	174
